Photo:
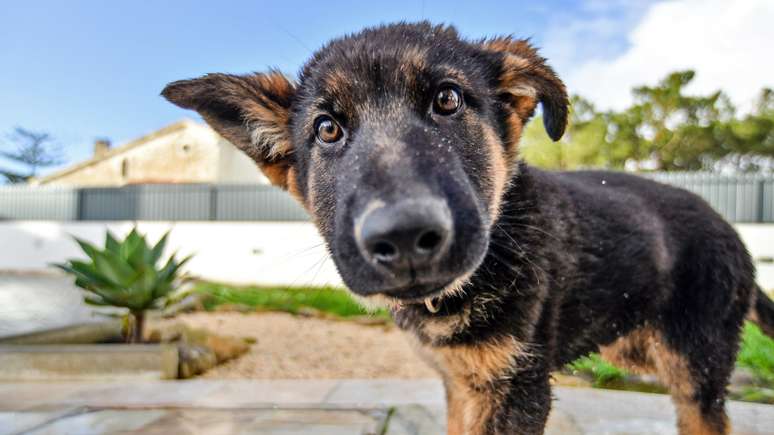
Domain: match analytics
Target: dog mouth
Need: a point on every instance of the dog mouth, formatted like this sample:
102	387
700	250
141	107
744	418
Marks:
428	294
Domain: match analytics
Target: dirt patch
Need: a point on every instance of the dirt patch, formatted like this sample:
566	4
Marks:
295	347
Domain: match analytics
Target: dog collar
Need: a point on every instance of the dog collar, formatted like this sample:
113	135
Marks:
433	305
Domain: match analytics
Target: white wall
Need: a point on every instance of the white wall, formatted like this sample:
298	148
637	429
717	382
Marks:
235	167
240	252
759	239
250	253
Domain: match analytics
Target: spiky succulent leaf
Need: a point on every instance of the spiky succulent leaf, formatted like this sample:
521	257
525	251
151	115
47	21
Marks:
125	273
96	301
87	247
132	242
111	243
114	268
158	250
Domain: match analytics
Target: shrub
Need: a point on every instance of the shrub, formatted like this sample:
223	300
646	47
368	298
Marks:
126	274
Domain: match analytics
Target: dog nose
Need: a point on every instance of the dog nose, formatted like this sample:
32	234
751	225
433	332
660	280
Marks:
412	233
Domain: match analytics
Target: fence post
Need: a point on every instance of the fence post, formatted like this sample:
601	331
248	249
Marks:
761	200
79	204
213	202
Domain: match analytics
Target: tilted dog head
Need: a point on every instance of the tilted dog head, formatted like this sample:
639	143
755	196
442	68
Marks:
399	140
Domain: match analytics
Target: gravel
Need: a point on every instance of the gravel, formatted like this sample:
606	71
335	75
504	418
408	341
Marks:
296	347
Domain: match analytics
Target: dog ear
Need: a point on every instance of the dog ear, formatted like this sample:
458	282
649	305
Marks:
251	111
526	79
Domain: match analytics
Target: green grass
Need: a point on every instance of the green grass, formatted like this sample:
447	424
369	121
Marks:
756	354
601	372
328	300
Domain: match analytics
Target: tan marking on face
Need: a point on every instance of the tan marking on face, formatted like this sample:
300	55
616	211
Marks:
500	166
336	81
277	173
518	48
267	121
413	60
321	217
293	188
436	328
644	351
524	95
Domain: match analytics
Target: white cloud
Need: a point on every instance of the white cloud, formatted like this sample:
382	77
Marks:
729	43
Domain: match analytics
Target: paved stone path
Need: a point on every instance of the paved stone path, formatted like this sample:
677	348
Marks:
321	407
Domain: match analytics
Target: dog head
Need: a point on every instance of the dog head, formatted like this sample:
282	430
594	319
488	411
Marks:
399	140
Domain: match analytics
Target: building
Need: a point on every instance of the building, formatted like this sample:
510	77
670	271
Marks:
184	152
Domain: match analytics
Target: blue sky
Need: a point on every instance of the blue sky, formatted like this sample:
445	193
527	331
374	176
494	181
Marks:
87	69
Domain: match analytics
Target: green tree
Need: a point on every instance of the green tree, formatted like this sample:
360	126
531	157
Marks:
750	140
675	131
34	150
583	144
664	129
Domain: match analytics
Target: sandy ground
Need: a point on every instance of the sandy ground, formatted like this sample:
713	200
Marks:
294	347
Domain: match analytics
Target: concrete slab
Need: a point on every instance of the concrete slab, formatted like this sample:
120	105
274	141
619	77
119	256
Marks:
216	422
107	331
87	362
101	422
415	420
315	407
396	392
623	412
13	422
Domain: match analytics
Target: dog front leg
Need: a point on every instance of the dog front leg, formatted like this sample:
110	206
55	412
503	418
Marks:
523	403
516	405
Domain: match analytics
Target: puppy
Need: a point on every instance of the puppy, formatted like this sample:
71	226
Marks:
402	143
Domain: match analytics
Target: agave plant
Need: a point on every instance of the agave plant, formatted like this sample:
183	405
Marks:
126	274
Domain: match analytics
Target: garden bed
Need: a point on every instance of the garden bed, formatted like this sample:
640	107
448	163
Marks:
95	351
306	333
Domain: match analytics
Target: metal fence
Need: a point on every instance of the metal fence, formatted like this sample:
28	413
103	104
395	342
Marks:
740	198
153	202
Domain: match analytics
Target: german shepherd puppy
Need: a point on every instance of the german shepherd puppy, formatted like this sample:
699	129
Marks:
402	143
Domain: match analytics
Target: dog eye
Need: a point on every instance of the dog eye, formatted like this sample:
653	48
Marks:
327	130
447	101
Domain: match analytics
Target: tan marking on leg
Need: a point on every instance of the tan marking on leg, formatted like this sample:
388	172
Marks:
690	420
455	417
673	370
645	351
631	352
469	373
